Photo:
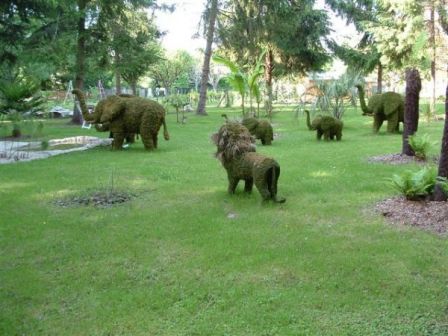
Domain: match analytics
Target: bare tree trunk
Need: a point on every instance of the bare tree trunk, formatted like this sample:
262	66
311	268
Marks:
432	42
80	58
134	88
207	56
413	87
117	75
439	195
379	79
269	67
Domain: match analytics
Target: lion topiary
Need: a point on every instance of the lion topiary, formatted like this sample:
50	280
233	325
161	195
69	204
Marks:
236	151
127	115
260	129
328	126
383	106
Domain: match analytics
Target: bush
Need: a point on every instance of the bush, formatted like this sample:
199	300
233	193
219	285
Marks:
420	145
415	185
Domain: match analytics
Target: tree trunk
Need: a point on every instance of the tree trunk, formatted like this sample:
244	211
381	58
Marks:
413	87
117	75
80	57
439	195
269	67
134	88
379	79
432	41
207	56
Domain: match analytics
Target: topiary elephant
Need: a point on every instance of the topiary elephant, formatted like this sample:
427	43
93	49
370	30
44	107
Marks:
260	129
383	106
328	126
127	115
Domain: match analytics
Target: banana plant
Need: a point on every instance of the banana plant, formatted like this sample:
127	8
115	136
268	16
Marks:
253	82
237	78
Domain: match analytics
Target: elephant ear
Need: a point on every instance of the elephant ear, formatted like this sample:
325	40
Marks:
113	107
392	102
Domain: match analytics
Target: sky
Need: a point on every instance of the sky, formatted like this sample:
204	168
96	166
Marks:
181	25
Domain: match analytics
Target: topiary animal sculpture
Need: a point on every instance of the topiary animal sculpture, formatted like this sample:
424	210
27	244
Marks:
383	106
236	151
260	129
328	126
127	115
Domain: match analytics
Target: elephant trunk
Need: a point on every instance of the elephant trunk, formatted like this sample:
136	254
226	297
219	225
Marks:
82	103
166	136
362	100
308	123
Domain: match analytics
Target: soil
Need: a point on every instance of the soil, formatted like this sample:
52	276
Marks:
426	215
98	199
397	159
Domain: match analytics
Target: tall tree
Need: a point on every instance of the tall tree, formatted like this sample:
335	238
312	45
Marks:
365	57
411	109
90	9
211	13
290	32
439	194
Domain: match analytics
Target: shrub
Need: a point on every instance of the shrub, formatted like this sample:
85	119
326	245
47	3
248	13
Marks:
415	185
420	145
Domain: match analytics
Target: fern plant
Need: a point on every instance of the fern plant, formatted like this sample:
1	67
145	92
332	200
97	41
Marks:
415	185
420	145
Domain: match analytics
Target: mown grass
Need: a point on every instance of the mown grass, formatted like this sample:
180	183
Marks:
186	258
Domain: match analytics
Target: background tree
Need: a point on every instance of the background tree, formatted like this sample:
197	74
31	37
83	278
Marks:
170	69
211	13
364	57
290	32
411	109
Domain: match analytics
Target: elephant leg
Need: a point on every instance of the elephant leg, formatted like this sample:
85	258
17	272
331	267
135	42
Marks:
155	140
319	134
117	143
249	183
327	136
377	122
392	123
233	183
146	132
263	142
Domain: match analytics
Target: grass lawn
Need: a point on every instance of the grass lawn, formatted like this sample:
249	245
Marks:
186	258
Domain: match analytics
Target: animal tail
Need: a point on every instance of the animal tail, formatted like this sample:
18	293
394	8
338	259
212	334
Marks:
166	135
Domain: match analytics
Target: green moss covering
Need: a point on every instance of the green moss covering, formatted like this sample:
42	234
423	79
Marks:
236	151
126	115
327	126
383	106
260	129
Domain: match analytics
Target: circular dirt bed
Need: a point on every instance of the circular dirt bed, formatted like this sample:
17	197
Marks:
397	159
99	199
429	216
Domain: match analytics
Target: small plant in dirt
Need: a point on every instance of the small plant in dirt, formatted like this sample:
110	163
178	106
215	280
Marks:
420	145
415	185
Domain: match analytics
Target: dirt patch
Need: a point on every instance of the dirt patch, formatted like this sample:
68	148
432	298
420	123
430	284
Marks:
397	159
97	199
426	215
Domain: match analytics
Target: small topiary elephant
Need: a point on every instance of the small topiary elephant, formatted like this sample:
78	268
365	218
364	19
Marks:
260	129
127	115
328	126
383	106
236	151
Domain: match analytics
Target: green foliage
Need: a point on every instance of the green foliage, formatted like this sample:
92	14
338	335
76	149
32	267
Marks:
335	95
420	145
415	185
20	94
